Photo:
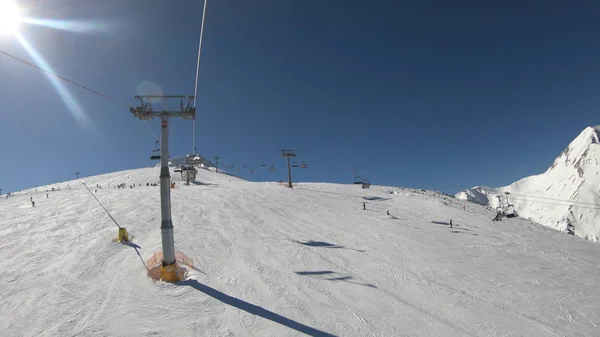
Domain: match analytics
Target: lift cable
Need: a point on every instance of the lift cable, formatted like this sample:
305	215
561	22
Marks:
570	203
197	72
552	199
113	219
76	84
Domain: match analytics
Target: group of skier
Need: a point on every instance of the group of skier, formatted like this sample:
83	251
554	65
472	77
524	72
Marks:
123	185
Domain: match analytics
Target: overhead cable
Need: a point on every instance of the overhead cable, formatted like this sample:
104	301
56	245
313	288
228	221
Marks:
74	83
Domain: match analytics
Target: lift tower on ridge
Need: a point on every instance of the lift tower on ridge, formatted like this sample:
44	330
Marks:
288	154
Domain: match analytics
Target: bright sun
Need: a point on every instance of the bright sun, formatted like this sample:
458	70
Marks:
10	18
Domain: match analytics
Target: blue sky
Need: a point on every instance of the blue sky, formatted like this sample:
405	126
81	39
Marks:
425	94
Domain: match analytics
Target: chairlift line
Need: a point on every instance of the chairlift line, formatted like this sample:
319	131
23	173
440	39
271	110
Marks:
199	52
197	72
75	84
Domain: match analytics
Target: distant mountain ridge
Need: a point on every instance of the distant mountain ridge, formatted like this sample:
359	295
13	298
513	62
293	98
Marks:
566	197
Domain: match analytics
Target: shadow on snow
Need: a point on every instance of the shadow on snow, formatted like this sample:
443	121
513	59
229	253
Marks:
312	243
199	183
457	227
255	309
136	247
376	198
335	277
323	244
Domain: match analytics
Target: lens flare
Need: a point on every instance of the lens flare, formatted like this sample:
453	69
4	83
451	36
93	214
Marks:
64	94
76	26
10	17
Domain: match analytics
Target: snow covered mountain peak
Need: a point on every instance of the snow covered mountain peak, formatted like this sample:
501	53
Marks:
577	154
565	197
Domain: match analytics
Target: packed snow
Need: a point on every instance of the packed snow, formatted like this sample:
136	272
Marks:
566	197
274	261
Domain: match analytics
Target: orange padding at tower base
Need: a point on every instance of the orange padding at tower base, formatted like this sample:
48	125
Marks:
171	273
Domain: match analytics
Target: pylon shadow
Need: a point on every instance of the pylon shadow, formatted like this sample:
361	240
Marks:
255	309
335	276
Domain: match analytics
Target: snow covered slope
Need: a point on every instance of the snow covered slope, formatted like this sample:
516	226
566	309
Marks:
477	194
272	261
566	197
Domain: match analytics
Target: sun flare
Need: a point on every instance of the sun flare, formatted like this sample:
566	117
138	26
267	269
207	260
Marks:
10	17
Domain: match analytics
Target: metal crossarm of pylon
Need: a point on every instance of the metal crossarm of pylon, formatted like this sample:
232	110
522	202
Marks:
147	110
288	154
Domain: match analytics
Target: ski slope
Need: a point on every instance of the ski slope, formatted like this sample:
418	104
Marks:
272	261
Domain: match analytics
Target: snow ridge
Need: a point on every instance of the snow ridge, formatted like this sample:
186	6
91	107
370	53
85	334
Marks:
565	197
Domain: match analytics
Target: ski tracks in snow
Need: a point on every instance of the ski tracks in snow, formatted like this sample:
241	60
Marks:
272	255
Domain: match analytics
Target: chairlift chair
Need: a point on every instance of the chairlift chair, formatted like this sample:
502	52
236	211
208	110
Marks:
510	212
272	168
155	155
188	171
304	165
244	166
294	164
263	164
251	171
